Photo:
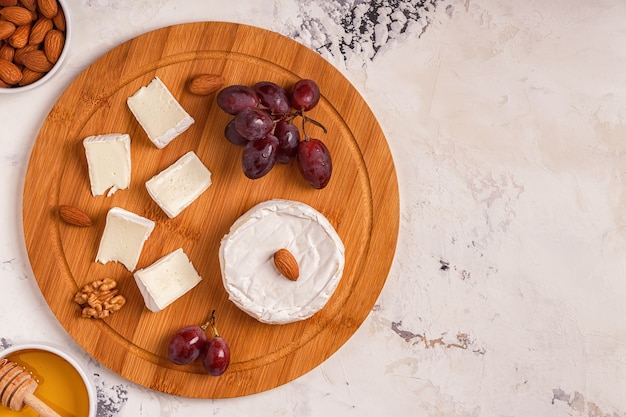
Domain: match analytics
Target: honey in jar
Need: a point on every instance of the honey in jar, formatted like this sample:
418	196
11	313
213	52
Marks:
60	385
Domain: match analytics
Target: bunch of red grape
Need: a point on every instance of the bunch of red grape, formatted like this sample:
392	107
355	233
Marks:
190	342
263	126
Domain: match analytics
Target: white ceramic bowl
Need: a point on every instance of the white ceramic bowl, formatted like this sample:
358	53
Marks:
53	376
57	65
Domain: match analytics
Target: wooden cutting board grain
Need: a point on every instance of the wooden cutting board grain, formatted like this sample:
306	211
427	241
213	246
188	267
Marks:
361	201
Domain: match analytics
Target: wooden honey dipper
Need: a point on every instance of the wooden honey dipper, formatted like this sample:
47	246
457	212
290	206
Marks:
17	388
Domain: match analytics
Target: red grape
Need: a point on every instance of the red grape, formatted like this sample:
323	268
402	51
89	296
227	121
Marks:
263	125
233	136
216	352
186	344
272	96
216	356
305	95
259	156
288	137
314	162
235	98
253	123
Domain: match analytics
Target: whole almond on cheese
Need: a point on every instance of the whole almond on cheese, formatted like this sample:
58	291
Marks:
53	45
39	30
18	15
19	39
286	264
74	216
6	29
9	72
204	84
29	76
37	61
48	8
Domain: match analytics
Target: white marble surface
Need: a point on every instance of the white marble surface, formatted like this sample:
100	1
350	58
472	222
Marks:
507	123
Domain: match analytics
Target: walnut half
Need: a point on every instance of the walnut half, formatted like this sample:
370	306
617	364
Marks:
99	299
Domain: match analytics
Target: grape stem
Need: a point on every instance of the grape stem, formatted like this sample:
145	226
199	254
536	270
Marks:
315	122
305	119
211	322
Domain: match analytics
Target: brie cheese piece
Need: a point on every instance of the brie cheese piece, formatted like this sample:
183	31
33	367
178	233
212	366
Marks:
250	276
176	187
123	238
108	160
166	280
160	115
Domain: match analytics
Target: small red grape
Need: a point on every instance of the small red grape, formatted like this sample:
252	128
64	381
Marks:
314	162
259	157
231	134
216	352
216	356
235	98
272	96
305	95
288	137
253	123
186	344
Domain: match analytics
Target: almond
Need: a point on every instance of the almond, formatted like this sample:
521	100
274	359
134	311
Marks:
29	4
205	84
9	72
286	264
19	53
39	30
7	52
74	216
48	8
19	39
37	61
18	15
29	76
4	3
6	29
59	20
53	45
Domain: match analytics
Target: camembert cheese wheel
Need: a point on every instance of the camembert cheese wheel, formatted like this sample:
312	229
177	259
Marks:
252	280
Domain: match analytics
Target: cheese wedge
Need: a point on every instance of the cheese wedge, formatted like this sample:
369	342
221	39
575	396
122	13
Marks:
176	187
123	238
166	280
108	161
160	115
250	277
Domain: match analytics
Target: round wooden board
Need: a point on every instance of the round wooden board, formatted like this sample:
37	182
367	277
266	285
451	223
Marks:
361	201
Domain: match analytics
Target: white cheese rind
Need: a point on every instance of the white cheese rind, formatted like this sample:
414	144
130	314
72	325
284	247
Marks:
166	280
108	161
160	115
248	272
179	185
123	238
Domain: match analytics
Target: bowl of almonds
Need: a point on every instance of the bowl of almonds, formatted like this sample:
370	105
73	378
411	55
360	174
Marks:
34	37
